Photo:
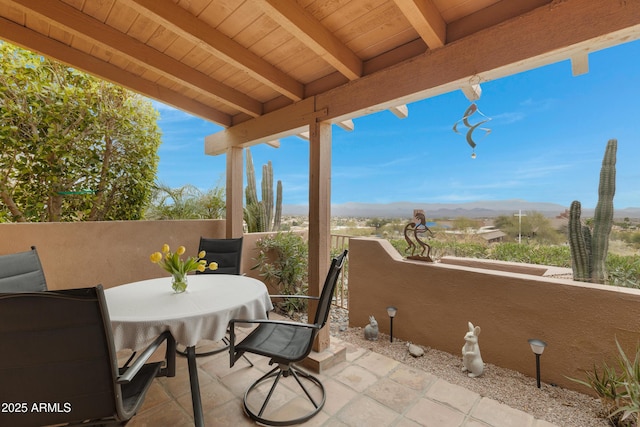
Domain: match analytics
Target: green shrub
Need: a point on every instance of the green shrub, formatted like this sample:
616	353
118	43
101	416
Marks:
624	270
283	261
618	392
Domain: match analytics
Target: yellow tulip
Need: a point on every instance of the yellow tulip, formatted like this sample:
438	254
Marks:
165	248
200	267
213	266
202	254
180	250
203	262
155	257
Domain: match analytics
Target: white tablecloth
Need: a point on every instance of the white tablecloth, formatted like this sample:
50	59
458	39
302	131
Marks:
141	311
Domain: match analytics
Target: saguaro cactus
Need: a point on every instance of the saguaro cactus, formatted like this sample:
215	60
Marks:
259	215
589	251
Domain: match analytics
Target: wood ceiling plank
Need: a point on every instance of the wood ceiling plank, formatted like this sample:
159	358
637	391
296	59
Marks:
99	10
452	10
216	11
538	38
383	46
489	16
425	17
76	23
29	39
307	29
217	43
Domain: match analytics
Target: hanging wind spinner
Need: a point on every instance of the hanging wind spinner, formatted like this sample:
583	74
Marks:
473	109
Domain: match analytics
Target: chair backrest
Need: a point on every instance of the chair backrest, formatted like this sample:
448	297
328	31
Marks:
22	272
226	252
58	352
324	303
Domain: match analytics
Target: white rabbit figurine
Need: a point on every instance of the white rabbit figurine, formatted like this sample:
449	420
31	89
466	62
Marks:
371	330
471	359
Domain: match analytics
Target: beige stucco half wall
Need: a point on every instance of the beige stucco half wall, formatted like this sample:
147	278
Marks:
579	321
81	254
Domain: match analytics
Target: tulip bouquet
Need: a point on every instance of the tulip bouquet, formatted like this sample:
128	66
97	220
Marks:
178	268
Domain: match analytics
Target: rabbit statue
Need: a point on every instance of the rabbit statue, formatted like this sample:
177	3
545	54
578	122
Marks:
371	330
471	359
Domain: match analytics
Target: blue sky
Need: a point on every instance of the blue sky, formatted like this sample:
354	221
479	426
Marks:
548	135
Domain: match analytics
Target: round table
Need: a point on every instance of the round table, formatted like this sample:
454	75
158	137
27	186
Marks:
140	311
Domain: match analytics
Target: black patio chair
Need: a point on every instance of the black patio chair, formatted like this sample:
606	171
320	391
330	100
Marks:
286	343
22	272
62	368
228	254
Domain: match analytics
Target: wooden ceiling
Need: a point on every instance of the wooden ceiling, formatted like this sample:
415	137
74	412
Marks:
253	61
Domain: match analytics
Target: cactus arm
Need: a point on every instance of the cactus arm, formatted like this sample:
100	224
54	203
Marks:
277	220
267	195
603	217
579	255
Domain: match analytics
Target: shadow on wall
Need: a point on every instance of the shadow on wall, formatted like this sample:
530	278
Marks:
436	301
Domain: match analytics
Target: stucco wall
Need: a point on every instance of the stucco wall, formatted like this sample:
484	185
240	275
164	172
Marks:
110	253
578	321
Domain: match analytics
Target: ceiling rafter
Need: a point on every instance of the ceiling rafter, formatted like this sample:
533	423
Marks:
306	28
426	19
22	36
181	22
78	24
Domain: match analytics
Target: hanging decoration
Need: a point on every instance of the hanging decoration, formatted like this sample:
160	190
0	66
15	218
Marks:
473	109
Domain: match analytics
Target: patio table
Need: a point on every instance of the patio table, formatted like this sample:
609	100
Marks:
139	311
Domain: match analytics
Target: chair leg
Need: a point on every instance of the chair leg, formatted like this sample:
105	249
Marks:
278	372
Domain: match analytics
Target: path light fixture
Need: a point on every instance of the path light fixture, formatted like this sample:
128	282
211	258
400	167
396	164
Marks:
391	311
537	346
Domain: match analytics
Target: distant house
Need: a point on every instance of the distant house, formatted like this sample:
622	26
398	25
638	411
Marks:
492	236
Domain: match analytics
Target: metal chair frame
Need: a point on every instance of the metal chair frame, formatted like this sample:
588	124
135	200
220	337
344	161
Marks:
294	337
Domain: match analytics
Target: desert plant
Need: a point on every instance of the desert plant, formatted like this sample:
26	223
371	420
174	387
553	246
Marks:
259	215
283	261
589	249
618	392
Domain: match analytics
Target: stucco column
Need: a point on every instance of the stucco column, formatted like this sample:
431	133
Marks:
319	217
234	193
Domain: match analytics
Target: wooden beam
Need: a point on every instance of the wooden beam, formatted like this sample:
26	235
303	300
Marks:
26	38
183	23
424	16
281	123
580	64
400	111
537	38
319	217
85	27
234	191
306	28
346	125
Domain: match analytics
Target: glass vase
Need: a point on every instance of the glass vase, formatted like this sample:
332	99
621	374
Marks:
179	283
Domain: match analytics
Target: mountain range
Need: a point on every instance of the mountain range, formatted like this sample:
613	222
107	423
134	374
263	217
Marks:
479	209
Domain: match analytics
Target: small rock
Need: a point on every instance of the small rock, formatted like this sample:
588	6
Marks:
415	350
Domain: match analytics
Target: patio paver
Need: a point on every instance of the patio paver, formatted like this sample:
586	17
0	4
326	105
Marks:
368	389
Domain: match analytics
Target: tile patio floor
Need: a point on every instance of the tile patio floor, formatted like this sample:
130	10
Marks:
367	390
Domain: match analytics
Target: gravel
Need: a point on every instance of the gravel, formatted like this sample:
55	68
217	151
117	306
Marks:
554	404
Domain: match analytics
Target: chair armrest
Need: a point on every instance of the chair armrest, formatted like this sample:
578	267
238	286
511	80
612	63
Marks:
294	296
170	357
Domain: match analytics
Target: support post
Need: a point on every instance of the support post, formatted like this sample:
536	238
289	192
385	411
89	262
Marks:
319	217
234	192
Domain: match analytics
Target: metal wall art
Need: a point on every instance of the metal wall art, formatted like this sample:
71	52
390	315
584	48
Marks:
418	226
465	120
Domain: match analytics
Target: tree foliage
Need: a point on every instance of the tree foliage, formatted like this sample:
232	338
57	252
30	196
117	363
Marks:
186	202
73	147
